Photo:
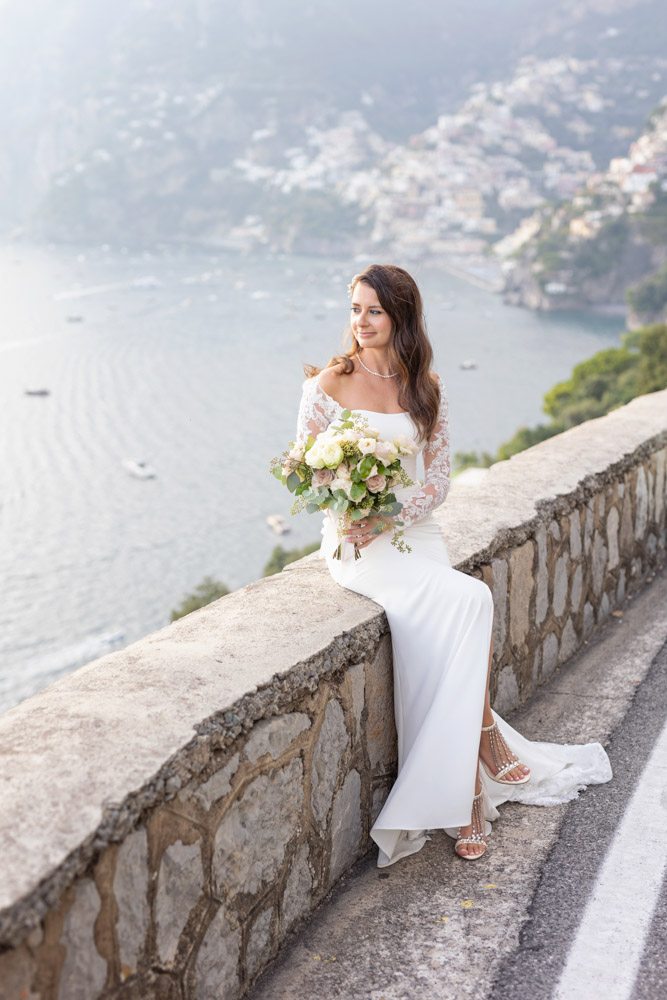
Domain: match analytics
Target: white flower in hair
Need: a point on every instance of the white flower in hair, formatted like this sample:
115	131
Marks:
350	288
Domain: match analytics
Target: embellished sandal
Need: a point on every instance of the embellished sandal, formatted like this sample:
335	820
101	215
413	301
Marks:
478	835
503	758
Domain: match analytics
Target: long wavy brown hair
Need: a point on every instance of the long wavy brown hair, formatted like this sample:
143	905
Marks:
410	351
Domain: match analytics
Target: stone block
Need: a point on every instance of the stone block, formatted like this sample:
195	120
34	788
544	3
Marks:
179	888
569	643
521	588
507	690
554	530
380	795
217	786
381	738
130	887
588	525
297	897
17	970
641	504
603	610
575	593
589	619
346	826
660	484
542	599
575	534
561	581
84	970
598	562
620	588
626	535
499	569
355	687
216	965
650	489
549	655
273	736
258	951
250	842
329	748
613	522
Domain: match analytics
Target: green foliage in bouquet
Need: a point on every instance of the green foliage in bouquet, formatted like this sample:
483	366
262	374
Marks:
349	471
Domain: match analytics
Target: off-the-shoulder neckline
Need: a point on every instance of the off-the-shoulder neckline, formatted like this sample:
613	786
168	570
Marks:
359	409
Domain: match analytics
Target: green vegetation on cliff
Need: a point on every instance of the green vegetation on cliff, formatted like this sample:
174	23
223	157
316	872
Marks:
607	380
280	557
649	297
205	592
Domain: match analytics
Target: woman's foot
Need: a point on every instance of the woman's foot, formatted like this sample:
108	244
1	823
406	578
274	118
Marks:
471	839
499	762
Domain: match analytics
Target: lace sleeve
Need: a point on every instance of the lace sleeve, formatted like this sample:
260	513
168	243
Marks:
316	410
436	468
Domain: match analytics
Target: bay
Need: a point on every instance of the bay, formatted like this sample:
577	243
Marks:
191	360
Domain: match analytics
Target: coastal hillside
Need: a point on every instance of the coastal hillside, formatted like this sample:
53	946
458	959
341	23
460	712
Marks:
314	127
605	246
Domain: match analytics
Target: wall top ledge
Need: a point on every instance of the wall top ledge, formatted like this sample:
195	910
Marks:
83	759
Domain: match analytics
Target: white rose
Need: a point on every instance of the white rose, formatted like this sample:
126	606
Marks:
343	472
386	452
367	445
405	444
332	454
314	457
297	452
341	484
351	435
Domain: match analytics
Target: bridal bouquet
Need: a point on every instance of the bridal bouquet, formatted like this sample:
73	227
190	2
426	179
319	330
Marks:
350	471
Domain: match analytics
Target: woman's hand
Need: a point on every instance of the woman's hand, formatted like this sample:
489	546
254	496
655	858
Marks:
361	534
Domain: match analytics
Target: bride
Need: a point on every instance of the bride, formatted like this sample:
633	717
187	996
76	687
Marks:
457	759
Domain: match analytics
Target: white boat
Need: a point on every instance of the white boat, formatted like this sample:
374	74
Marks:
37	392
140	470
468	364
277	523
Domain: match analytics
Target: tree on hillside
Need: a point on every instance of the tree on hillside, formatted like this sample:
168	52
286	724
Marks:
605	381
280	557
208	590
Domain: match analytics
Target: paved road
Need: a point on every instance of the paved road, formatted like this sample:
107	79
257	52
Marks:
517	923
598	920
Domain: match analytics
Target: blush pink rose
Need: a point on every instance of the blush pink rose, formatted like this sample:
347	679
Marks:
323	477
376	483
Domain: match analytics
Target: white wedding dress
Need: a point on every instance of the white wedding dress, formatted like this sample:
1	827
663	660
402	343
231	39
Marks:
441	624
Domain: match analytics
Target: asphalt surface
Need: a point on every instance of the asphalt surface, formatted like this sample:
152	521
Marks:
503	928
569	876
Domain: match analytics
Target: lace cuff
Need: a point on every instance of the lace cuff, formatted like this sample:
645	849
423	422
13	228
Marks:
436	468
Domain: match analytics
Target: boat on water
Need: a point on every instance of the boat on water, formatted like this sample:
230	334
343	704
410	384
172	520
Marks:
140	470
468	364
37	392
277	523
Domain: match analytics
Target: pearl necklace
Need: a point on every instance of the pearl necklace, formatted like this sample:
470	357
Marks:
371	372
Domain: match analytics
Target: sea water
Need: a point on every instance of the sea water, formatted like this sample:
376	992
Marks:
191	360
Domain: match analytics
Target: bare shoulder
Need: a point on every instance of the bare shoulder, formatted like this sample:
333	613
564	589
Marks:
328	378
435	377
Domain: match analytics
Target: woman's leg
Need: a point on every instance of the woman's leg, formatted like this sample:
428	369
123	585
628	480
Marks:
485	754
518	772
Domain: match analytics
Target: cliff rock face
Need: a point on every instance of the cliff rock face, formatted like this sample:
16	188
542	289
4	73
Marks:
608	242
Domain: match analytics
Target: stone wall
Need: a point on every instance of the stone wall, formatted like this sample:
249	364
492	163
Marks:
172	811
